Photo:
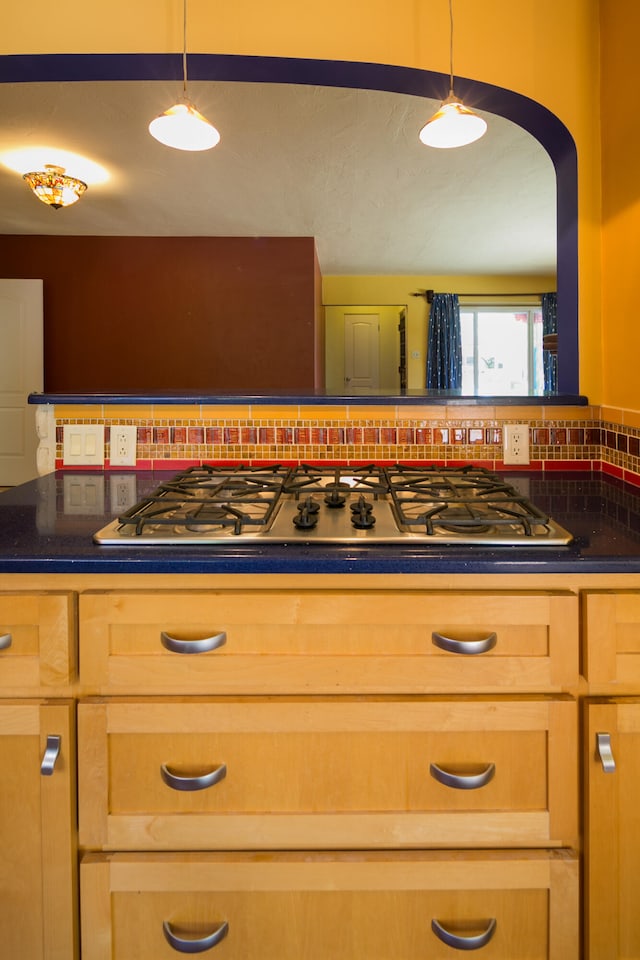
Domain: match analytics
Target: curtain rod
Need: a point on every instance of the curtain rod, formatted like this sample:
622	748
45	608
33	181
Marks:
429	294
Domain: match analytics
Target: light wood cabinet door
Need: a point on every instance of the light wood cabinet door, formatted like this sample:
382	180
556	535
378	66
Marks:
328	641
296	773
345	907
38	912
612	640
612	829
37	643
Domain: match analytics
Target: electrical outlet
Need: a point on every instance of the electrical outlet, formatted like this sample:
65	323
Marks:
123	445
83	444
516	443
122	491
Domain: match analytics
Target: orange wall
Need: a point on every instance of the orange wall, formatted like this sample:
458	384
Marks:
544	49
620	203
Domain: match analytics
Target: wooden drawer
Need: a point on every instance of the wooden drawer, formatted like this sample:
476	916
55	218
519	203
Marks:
328	773
328	641
343	907
37	642
612	639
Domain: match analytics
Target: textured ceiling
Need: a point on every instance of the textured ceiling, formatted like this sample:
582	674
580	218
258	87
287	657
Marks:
344	166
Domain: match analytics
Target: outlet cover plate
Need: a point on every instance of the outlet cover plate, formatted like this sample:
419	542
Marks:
122	445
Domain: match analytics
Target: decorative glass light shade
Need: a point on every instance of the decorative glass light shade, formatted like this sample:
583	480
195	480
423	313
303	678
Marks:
54	187
184	128
453	125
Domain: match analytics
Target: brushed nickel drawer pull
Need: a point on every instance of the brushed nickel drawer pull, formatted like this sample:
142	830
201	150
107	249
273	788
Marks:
176	782
459	942
467	647
195	946
205	645
463	781
51	753
5	641
605	753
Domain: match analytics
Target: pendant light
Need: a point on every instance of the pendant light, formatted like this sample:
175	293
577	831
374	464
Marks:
182	126
454	125
54	187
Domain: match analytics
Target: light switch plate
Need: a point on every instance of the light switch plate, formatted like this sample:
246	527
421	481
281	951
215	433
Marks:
83	444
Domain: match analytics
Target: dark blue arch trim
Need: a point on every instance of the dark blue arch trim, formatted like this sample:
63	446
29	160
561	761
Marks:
527	113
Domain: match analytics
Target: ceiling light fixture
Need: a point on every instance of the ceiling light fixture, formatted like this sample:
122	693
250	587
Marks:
182	126
453	125
54	187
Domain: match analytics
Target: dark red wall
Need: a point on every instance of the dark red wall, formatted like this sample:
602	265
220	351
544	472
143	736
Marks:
173	313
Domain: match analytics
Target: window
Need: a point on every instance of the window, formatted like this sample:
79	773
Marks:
501	350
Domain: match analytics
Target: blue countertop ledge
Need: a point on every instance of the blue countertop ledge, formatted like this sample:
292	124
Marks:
46	528
319	398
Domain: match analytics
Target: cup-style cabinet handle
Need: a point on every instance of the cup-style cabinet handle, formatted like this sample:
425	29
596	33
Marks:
463	781
605	753
466	647
51	754
205	645
178	782
458	942
5	641
183	945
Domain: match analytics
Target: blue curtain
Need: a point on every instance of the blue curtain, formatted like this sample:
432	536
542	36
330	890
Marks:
549	341
444	343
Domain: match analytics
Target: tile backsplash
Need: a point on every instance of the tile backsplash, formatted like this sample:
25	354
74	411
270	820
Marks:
170	436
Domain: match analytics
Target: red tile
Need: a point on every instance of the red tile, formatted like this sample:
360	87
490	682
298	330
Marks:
162	435
179	434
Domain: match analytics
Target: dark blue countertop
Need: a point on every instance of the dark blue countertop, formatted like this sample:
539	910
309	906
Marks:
313	398
47	525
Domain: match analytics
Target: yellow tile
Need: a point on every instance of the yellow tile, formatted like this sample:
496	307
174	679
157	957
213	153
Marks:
287	411
175	411
128	411
570	413
78	411
236	411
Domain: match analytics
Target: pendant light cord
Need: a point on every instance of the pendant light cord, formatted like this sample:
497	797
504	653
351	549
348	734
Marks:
184	48
450	47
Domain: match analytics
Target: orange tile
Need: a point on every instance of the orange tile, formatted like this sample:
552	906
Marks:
612	414
471	413
631	418
513	414
337	412
422	413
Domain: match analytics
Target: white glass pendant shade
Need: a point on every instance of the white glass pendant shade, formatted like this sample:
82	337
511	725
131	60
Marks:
454	125
184	128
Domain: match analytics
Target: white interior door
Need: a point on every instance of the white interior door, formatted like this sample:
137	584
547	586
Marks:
21	373
361	350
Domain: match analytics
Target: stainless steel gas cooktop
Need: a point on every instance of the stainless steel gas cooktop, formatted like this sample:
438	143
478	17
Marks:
340	505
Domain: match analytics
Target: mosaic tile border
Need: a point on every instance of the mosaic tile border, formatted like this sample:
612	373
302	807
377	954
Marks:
170	442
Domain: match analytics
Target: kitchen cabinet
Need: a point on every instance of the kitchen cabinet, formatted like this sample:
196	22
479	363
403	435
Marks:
232	740
38	917
612	828
38	867
612	771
